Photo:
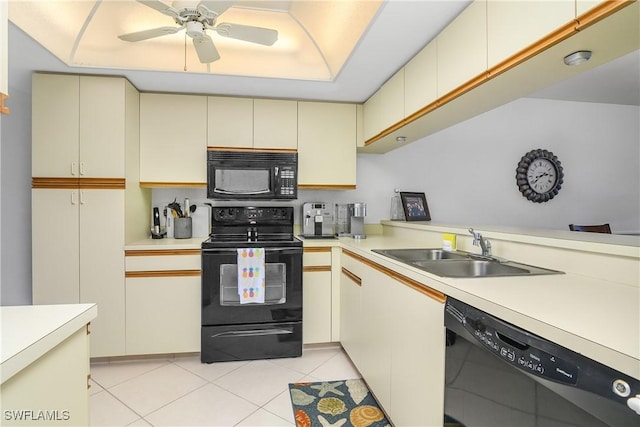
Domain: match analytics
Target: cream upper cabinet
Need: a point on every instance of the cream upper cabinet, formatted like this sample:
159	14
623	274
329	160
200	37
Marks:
420	79
230	122
73	134
385	107
173	138
514	25
55	125
326	144
275	124
462	48
252	123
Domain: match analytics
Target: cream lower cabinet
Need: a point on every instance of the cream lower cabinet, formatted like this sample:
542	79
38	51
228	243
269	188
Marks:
316	294
326	145
393	330
163	301
53	390
77	241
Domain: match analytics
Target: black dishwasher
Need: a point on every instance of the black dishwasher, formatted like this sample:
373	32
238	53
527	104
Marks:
498	374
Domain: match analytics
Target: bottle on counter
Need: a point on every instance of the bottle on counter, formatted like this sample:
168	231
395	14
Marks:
397	213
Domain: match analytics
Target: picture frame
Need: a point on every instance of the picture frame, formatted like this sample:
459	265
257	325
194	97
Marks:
415	206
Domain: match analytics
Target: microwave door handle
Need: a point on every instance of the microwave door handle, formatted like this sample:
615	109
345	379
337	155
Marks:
218	190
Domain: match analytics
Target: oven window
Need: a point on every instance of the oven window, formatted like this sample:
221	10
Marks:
276	284
242	181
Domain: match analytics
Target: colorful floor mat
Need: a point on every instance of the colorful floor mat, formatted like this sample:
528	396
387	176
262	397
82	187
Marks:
335	403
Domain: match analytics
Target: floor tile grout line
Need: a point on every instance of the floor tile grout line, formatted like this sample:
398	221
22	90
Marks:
173	401
129	378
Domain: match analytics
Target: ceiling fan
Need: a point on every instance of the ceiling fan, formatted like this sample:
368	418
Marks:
198	17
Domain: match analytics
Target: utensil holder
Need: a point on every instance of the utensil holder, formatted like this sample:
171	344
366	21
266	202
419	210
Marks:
182	228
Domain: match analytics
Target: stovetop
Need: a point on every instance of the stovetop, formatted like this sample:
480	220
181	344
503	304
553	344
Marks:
247	226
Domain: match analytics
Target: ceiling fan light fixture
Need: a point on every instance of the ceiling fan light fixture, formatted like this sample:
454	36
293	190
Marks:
577	58
195	29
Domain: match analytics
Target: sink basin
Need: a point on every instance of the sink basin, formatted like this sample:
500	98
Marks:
410	255
461	264
471	268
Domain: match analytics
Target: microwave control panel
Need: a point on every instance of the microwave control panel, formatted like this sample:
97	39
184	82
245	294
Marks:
286	181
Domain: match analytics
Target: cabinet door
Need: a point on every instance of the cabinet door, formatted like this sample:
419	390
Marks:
385	107
316	303
351	315
149	329
55	123
102	267
376	333
275	124
420	79
326	144
514	25
417	343
55	246
102	127
230	122
467	33
173	138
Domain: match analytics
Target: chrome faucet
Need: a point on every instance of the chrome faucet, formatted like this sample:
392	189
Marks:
484	244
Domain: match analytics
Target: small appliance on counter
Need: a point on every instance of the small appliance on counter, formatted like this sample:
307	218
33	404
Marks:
157	232
317	221
350	220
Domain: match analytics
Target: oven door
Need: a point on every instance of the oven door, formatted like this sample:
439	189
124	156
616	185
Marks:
283	283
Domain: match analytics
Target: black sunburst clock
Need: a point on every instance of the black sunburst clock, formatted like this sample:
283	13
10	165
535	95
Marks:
539	175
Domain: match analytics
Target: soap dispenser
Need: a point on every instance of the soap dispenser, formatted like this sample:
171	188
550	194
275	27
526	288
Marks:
397	213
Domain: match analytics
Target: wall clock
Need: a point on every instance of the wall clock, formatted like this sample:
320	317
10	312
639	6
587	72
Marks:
539	175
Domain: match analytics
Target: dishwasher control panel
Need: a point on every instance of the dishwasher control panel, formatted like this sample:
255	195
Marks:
538	356
510	347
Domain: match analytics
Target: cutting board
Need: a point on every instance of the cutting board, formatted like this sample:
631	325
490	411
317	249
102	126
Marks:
201	219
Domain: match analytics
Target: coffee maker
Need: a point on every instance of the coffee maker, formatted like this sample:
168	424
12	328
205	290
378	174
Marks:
350	220
317	220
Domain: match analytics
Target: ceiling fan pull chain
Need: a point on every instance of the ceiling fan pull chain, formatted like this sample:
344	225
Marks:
185	51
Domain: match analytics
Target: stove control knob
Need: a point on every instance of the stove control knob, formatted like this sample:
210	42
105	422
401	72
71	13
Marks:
634	403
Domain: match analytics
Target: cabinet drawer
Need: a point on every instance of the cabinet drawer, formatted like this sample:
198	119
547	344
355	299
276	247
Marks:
313	257
162	261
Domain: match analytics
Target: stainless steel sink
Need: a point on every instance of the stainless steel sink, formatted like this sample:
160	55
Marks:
461	264
470	268
410	255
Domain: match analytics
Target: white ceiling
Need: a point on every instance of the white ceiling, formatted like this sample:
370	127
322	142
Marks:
400	29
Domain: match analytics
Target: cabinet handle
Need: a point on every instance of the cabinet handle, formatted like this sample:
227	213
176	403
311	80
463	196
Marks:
74	171
73	197
81	197
81	168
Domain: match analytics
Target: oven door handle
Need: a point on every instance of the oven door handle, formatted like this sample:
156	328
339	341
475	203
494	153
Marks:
228	251
252	333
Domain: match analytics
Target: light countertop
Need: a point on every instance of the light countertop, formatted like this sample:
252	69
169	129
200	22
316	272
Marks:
29	331
596	317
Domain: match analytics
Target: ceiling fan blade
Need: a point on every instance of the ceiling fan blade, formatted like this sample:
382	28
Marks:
205	49
148	34
160	7
264	36
217	7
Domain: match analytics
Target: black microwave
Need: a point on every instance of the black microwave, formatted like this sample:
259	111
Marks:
252	175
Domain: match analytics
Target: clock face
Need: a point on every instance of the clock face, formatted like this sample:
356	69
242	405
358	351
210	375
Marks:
541	175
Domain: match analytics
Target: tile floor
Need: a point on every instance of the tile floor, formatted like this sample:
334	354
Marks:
181	391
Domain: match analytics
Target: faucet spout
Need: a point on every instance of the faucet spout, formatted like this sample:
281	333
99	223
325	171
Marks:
484	244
